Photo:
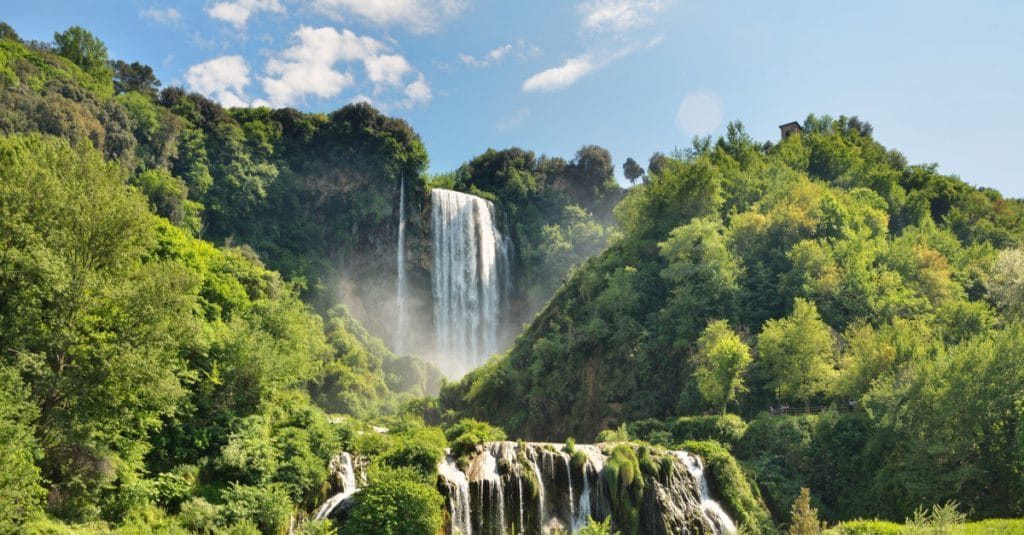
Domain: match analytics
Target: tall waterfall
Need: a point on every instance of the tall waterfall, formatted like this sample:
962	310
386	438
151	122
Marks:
403	288
470	278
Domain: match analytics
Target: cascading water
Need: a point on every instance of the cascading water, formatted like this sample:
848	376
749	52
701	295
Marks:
458	496
403	289
677	501
343	470
568	477
471	272
711	509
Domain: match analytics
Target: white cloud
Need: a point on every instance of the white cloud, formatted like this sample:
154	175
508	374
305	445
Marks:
418	16
386	69
223	79
161	16
618	15
518	49
237	12
560	77
418	92
311	67
494	56
700	113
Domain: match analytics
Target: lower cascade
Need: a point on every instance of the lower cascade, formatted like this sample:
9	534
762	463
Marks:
346	483
510	487
470	279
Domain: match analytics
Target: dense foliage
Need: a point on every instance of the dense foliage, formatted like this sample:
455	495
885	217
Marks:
855	280
151	380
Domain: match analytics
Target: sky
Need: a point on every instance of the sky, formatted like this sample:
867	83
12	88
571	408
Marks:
940	81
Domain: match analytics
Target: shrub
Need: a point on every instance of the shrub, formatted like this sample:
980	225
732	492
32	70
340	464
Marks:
727	429
866	527
468	433
267	506
396	503
199	516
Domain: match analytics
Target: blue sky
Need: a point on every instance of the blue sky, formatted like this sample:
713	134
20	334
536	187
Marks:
940	81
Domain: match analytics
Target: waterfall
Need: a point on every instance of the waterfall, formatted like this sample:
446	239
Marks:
469	279
678	501
400	323
345	476
522	510
711	509
581	518
540	490
568	476
458	496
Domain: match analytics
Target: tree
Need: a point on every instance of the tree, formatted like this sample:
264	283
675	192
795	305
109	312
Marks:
798	353
135	77
632	170
398	502
803	517
85	50
704	273
1006	282
720	361
591	174
7	32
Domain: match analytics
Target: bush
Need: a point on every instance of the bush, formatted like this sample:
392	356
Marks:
396	503
267	506
199	516
726	429
419	448
468	433
866	527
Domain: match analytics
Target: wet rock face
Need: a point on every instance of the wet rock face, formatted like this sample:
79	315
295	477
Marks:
508	487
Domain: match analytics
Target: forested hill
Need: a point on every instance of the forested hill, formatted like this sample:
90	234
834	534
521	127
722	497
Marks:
140	366
821	270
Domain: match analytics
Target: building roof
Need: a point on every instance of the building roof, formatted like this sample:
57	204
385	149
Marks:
792	123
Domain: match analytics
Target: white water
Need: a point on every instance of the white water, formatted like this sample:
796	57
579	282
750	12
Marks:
540	490
568	476
522	509
403	289
469	278
581	519
342	468
458	496
712	511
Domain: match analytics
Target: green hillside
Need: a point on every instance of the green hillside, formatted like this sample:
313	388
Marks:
820	271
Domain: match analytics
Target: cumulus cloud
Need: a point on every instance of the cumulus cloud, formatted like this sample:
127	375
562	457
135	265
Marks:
237	12
618	15
386	69
562	76
311	67
161	16
418	16
223	79
418	92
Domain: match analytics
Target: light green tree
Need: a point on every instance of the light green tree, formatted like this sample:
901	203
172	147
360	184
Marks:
720	361
803	517
798	353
